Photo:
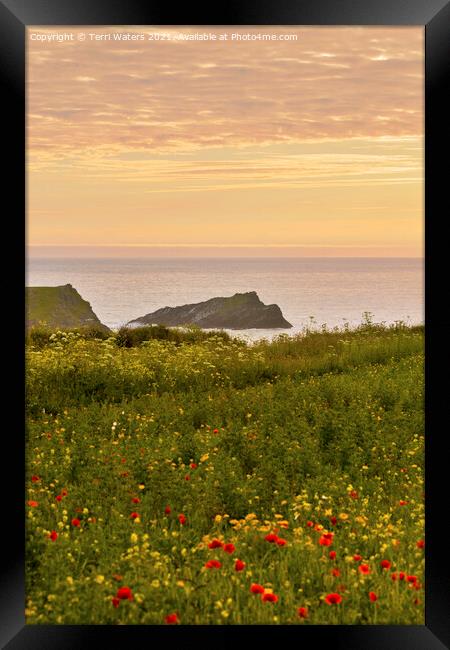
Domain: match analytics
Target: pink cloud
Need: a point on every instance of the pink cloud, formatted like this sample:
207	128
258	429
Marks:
161	95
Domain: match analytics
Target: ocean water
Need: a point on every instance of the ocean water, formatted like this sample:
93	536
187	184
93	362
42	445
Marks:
331	291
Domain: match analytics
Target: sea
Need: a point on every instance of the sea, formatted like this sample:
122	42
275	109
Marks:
311	292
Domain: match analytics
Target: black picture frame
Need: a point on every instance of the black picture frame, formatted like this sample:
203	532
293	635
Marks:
434	15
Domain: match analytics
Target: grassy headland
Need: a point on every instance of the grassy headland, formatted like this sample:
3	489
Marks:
59	307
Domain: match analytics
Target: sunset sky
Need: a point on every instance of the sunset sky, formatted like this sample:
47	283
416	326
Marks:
313	146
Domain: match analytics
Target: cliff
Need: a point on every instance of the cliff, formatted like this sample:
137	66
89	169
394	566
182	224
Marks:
59	307
241	311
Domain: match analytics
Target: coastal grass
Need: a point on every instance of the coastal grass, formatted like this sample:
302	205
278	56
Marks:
157	466
47	306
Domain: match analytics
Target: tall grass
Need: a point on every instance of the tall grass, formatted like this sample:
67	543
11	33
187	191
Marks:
312	435
74	368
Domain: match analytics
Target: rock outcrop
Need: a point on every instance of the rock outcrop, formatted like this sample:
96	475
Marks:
60	307
241	311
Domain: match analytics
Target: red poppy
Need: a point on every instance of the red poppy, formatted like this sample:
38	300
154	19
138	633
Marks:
336	573
115	602
269	598
357	557
373	597
216	431
229	548
182	519
76	522
33	504
167	510
401	575
332	555
271	537
385	564
281	542
393	576
53	535
35	479
412	579
213	564
134	515
239	565
420	543
310	524
333	521
256	589
215	543
171	619
302	612
193	465
59	497
187	477
124	593
402	503
333	599
325	540
135	500
364	568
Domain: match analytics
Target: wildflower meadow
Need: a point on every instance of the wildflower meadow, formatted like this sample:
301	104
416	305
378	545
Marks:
206	480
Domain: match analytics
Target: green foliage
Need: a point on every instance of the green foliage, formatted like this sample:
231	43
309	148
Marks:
59	307
243	440
40	336
128	337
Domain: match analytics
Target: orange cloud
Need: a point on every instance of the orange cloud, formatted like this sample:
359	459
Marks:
312	142
330	83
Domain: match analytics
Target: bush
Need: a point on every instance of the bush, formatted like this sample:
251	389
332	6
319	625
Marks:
40	336
132	337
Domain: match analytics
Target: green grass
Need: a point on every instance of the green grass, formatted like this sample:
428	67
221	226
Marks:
59	307
319	433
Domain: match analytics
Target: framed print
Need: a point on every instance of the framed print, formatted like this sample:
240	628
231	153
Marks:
233	244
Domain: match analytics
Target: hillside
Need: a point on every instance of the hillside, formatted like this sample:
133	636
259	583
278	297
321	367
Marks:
59	307
213	482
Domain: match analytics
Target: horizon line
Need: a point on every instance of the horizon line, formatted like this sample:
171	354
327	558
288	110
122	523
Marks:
169	245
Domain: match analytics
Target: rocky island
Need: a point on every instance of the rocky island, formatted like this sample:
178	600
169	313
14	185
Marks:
241	311
61	307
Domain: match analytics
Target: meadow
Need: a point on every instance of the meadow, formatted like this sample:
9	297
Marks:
190	478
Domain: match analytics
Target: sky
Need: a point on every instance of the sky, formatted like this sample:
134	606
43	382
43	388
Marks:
311	146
